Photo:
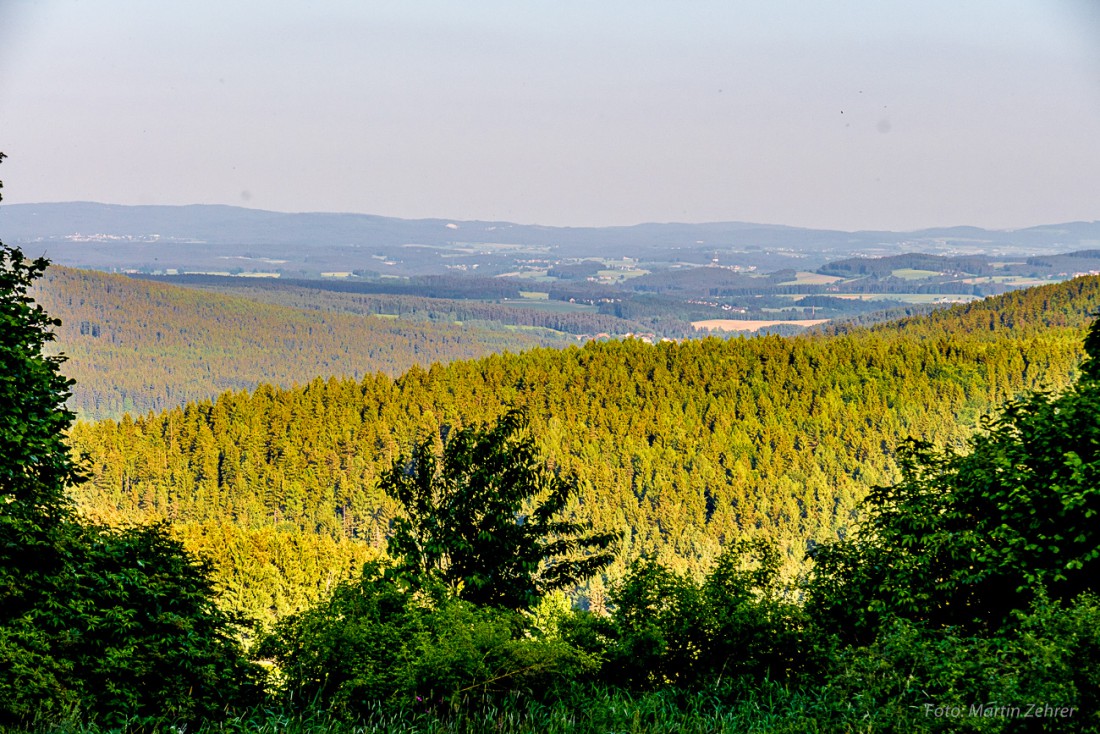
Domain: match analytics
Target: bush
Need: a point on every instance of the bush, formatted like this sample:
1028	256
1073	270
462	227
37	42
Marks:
670	630
94	623
144	633
963	539
126	631
378	641
935	679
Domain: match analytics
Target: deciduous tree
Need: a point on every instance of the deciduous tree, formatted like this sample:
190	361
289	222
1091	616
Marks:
110	625
485	517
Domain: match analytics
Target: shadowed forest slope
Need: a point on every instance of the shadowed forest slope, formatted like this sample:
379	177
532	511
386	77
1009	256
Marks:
136	346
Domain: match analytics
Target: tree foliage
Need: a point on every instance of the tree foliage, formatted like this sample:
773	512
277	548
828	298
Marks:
691	446
37	466
375	641
132	617
136	346
96	623
1048	660
485	518
965	538
35	469
686	446
668	629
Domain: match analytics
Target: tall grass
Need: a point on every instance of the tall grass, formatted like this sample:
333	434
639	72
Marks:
765	707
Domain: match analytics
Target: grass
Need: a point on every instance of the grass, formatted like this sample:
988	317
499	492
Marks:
621	274
763	708
1017	280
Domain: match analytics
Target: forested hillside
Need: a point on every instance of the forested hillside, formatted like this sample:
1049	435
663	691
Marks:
584	320
136	346
684	446
1017	313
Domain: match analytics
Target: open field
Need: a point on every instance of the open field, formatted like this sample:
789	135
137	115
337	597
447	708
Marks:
803	277
535	274
748	324
910	297
1012	279
914	274
618	274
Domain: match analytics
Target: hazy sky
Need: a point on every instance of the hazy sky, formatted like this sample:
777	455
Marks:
853	114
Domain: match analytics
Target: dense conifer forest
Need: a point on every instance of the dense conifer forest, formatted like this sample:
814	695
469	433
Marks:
584	321
683	447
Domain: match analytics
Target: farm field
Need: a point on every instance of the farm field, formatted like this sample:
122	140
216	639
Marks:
910	297
750	324
804	277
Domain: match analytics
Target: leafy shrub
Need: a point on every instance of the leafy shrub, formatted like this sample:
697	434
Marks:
377	641
668	629
145	635
963	539
659	623
943	679
31	679
127	630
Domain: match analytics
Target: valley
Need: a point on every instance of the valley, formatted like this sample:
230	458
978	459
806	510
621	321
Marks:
260	411
652	280
135	347
549	368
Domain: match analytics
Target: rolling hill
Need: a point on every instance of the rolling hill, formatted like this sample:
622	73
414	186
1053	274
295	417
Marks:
224	238
682	446
136	346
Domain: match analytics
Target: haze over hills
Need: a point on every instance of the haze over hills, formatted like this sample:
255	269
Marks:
225	238
512	290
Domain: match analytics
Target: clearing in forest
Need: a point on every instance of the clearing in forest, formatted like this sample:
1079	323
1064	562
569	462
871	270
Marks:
748	324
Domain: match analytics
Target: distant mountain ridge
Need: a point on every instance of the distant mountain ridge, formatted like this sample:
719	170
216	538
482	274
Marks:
221	224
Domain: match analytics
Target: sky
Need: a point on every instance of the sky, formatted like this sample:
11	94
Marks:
853	114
